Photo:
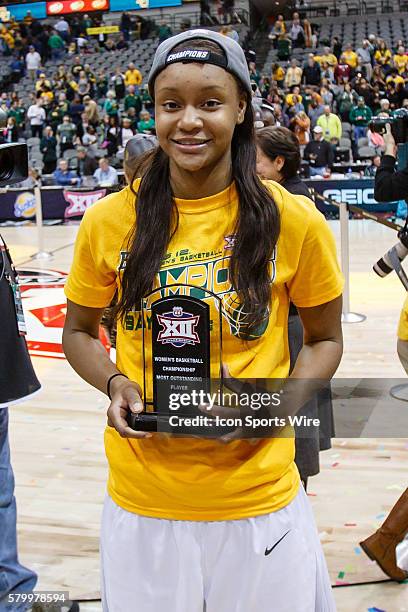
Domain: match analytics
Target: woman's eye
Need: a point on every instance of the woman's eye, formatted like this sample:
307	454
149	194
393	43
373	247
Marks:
212	103
170	105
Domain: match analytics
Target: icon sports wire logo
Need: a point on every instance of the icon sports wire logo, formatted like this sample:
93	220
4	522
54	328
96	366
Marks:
178	328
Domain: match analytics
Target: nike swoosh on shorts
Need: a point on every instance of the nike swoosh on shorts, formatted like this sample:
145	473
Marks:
269	550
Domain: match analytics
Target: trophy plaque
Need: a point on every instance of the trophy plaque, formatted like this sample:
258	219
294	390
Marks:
182	351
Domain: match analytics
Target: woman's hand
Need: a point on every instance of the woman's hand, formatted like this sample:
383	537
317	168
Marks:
126	396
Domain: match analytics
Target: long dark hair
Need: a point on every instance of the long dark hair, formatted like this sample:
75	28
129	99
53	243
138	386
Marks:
256	229
274	141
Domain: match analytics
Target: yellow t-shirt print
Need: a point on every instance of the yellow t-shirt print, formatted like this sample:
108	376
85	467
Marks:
189	478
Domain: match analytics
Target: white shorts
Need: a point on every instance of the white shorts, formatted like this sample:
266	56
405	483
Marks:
270	563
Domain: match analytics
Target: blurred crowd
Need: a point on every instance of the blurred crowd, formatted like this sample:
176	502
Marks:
79	121
329	99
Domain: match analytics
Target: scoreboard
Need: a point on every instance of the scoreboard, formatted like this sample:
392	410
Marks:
132	5
40	10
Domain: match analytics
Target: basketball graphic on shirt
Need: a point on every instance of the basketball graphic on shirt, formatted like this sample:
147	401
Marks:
237	318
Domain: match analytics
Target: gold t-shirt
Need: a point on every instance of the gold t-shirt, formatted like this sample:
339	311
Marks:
190	478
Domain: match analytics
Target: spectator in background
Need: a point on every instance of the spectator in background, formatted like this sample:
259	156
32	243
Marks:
17	111
293	74
342	71
385	108
133	76
345	102
101	84
17	69
122	43
63	176
66	133
48	147
327	57
62	28
105	175
311	72
319	154
400	60
277	29
350	58
296	32
278	74
364	56
86	164
57	45
383	55
330	124
10	132
371	171
146	124
315	109
84	86
36	116
110	106
91	110
164	32
125	25
33	62
126	132
132	100
300	125
337	47
118	83
360	117
77	67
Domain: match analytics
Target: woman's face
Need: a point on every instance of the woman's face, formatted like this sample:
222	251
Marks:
268	168
197	109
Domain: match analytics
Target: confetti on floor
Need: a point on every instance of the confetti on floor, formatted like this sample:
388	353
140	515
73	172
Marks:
335	464
357	550
375	610
341	575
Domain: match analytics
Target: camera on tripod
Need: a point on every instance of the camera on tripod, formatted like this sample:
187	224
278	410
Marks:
13	159
398	123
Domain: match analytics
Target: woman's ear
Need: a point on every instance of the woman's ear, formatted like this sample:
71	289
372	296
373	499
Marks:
242	106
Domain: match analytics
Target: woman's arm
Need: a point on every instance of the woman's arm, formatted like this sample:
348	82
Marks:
87	356
323	341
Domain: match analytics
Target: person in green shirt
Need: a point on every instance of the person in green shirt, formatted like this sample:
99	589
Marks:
56	44
17	111
110	106
360	117
132	100
147	102
164	32
146	125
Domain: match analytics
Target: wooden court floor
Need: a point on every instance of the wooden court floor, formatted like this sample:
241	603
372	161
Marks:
60	467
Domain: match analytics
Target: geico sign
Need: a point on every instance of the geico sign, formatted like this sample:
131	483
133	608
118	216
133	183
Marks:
354	195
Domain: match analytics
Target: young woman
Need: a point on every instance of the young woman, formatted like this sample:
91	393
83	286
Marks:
278	159
190	523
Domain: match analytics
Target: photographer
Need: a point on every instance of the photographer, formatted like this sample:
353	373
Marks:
382	545
390	185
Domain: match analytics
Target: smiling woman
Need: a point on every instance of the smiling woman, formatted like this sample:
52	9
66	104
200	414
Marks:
194	523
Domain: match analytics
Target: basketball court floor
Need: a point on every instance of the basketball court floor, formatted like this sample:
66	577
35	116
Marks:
57	437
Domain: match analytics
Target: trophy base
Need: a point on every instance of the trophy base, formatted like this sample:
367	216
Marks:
142	422
157	422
